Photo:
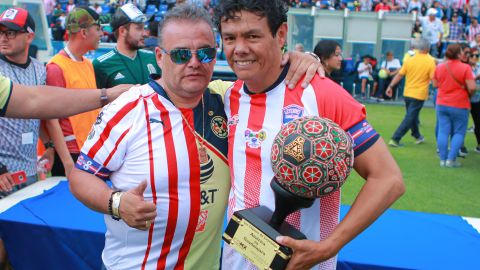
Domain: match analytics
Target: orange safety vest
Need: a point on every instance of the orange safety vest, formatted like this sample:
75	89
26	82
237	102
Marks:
78	75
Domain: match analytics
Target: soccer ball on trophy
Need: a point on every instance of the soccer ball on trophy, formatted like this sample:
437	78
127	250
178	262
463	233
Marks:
312	157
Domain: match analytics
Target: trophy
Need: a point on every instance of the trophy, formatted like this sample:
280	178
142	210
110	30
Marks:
311	157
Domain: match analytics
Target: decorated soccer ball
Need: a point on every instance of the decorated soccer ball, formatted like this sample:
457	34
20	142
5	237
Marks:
312	156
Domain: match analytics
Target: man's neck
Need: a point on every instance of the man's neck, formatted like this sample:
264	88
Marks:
260	85
126	50
19	59
77	50
179	101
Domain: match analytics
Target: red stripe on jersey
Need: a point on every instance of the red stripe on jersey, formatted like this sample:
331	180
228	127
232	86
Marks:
109	126
329	213
152	181
172	183
194	191
116	146
253	171
234	108
293	98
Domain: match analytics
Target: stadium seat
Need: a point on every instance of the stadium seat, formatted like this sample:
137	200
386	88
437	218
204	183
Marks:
151	10
105	9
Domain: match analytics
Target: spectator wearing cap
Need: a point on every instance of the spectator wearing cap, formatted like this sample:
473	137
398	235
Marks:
127	62
432	30
457	30
18	137
69	69
473	29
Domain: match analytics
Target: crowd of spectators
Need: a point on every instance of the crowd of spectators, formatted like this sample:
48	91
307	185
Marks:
57	11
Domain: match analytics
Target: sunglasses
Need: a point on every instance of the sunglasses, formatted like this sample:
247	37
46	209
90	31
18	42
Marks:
474	55
182	56
10	34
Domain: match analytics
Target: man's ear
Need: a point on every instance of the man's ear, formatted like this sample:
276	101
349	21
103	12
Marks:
158	56
281	35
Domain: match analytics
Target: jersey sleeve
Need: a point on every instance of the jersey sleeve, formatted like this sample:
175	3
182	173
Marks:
336	104
104	150
5	93
220	87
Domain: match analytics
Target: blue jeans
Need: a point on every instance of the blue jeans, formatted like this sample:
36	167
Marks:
410	121
451	121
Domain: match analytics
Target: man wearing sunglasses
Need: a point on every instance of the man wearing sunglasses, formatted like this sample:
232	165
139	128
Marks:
127	62
253	34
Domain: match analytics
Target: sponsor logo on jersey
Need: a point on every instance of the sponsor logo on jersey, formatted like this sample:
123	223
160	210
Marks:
291	112
119	76
219	127
208	196
233	120
151	69
255	139
202	221
155	121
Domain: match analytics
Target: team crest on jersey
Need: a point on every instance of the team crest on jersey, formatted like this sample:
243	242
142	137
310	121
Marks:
219	127
255	139
291	112
233	120
202	221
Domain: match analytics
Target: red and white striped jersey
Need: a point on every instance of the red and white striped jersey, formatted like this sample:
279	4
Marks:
253	122
141	136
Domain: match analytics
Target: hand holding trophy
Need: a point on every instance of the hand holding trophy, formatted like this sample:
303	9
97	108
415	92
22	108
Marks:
311	157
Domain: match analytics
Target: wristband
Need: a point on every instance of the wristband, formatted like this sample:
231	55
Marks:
103	97
114	205
313	55
49	144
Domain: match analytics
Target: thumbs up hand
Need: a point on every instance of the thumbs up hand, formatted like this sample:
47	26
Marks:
135	211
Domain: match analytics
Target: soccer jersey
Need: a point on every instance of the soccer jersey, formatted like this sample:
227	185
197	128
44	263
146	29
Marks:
114	68
142	135
18	137
5	92
253	122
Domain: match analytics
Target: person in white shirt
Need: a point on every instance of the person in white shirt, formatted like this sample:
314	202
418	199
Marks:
432	30
364	74
388	69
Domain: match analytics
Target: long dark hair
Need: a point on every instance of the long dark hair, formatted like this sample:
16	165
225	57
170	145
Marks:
325	49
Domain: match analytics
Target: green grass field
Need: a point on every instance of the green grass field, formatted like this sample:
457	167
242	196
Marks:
430	188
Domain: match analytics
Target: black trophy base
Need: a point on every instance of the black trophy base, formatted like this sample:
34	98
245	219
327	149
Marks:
249	233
